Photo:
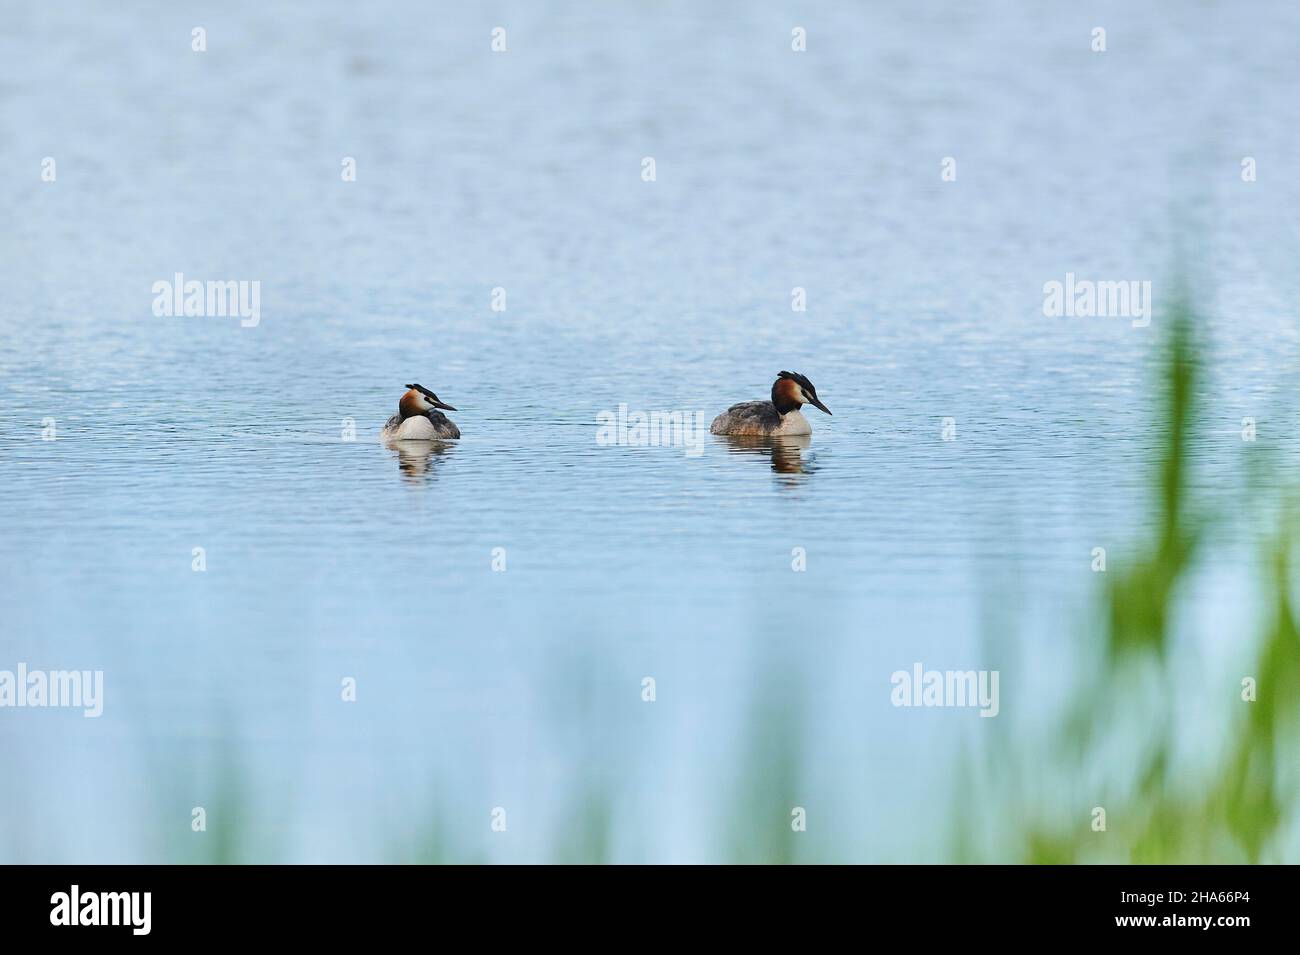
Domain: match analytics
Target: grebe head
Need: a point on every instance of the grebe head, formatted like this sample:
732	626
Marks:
791	389
419	400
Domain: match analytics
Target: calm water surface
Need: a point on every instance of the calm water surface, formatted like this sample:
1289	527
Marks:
521	689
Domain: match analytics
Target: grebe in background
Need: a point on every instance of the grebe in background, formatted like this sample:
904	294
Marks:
780	416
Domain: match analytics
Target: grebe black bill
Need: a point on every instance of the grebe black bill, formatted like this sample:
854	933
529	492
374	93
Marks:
418	418
780	416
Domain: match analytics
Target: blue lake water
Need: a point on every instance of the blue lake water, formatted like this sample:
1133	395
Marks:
521	688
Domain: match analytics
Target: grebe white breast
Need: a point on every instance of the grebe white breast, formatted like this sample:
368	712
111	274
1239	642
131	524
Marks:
418	418
780	416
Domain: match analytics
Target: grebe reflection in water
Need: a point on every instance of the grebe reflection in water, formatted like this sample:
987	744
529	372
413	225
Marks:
417	460
785	451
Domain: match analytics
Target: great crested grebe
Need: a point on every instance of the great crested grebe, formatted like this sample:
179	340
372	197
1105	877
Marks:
418	418
780	416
